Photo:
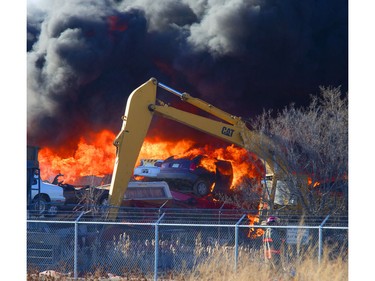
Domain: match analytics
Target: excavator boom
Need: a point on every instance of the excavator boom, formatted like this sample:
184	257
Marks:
128	142
140	108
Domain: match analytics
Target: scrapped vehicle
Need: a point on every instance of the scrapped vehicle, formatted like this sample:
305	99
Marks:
73	194
190	175
138	194
148	168
56	196
46	198
158	194
76	195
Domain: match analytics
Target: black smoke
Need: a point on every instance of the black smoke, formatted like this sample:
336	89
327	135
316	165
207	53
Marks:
85	56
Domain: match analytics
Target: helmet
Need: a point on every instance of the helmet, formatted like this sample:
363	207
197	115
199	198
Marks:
272	219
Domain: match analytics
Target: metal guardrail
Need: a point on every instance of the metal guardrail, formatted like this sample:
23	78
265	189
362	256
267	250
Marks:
81	242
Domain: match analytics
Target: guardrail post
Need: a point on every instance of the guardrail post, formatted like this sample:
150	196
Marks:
321	239
76	245
156	260
236	242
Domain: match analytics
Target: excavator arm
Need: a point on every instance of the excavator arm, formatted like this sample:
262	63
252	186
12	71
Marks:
238	133
128	142
140	108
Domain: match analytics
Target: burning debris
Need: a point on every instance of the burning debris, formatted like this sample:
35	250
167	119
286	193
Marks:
84	57
96	157
90	157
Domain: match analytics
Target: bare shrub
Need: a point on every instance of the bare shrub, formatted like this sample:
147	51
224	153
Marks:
313	141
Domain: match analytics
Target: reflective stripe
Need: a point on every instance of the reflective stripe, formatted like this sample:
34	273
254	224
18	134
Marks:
268	253
275	251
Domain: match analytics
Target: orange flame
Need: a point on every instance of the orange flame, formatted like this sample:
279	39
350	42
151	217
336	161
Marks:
254	218
89	158
254	233
310	181
245	164
95	155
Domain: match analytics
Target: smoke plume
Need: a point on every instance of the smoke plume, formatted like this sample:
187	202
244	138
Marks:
86	56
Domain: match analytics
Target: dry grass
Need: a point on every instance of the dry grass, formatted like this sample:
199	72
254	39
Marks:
220	267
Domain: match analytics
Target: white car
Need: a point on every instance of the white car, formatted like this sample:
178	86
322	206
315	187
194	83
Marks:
48	200
148	168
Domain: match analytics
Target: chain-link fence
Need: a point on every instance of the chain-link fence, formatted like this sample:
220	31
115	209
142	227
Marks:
86	243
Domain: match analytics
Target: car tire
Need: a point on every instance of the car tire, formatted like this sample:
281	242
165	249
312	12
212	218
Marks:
52	211
201	187
41	206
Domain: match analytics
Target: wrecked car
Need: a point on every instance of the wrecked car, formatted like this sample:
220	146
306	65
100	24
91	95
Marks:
200	174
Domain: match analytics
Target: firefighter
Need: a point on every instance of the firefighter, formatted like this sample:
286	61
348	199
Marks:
272	243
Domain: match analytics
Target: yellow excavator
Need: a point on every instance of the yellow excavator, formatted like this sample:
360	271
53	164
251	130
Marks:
141	106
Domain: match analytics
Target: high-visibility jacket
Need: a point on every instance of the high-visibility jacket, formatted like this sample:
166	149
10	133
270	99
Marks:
272	242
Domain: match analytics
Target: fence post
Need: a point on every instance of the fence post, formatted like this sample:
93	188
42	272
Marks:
321	239
156	259
236	241
76	245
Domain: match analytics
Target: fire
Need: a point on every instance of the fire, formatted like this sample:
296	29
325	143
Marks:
95	154
254	233
254	219
209	164
310	181
245	164
162	149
